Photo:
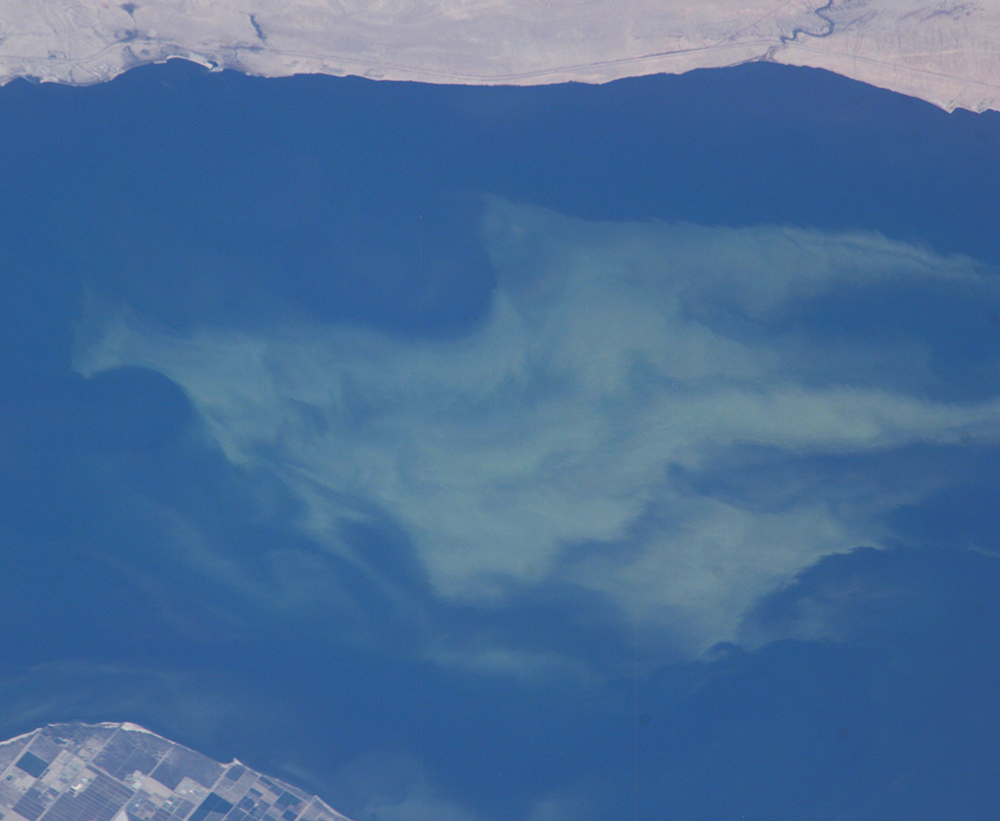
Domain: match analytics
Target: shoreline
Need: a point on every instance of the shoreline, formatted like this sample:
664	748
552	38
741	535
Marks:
950	59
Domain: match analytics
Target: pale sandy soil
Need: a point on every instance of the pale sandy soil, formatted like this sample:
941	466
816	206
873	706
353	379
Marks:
944	51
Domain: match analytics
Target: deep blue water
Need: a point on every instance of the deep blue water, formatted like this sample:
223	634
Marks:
141	569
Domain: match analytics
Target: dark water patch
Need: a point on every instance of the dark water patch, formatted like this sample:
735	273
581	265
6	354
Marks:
197	195
148	578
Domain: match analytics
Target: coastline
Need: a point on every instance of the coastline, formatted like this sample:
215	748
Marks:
948	56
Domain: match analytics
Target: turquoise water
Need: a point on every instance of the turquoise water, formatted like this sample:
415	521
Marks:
248	332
